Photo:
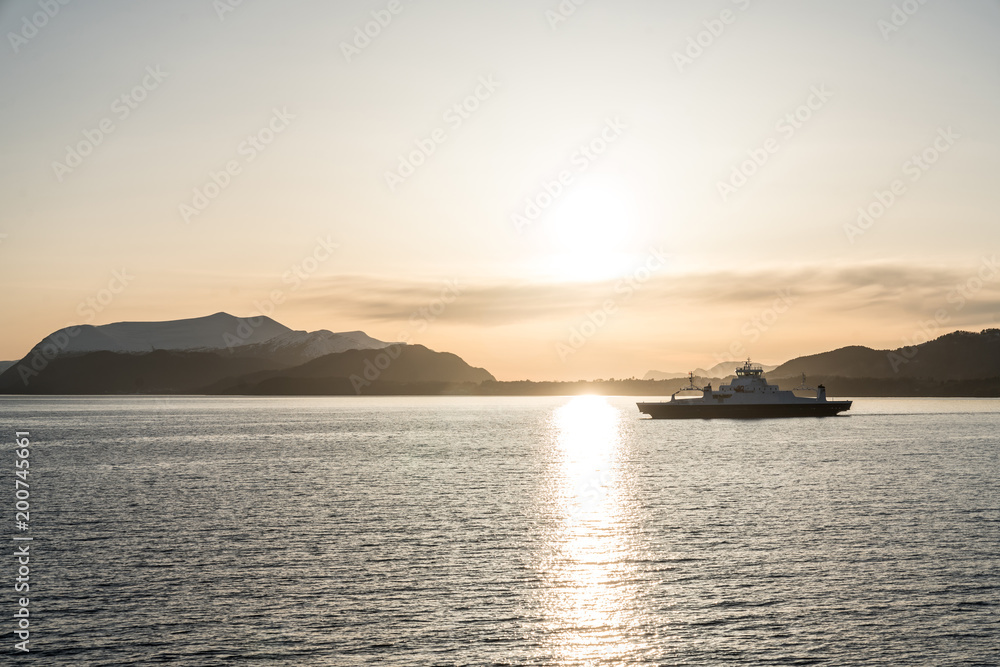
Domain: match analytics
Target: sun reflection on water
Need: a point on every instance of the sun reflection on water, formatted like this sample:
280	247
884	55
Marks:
589	601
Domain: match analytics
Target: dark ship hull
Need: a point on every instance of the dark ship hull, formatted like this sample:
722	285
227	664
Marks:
693	409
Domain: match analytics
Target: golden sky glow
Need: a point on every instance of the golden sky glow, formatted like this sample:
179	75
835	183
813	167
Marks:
636	185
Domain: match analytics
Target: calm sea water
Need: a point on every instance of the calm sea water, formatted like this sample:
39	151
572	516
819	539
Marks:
467	531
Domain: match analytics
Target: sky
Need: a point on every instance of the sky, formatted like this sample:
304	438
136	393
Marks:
551	190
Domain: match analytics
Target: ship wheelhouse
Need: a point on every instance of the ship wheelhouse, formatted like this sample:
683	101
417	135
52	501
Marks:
750	370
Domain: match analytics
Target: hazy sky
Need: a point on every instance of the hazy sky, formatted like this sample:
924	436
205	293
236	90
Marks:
677	183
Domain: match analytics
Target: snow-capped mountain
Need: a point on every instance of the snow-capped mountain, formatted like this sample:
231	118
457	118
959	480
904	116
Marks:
199	333
260	337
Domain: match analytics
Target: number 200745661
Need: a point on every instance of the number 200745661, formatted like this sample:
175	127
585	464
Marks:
21	486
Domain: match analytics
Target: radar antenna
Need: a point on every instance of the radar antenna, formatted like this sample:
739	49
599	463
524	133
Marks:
690	386
804	386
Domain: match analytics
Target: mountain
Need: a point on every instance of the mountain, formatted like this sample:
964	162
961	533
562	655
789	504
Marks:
259	337
297	347
226	354
103	372
360	371
721	370
960	355
213	332
387	370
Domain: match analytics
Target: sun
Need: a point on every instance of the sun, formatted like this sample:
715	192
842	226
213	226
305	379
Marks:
589	233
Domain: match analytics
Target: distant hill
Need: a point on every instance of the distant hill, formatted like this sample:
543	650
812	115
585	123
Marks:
956	356
899	386
365	369
297	347
390	370
836	387
961	363
720	370
159	372
665	375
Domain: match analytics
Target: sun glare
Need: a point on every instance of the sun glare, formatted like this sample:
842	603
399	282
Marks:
589	234
591	613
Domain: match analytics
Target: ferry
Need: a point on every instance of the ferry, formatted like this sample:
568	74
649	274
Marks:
749	396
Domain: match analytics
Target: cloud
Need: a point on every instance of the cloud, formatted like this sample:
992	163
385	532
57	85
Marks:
876	290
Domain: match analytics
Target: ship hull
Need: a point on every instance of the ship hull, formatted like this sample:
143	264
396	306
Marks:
692	410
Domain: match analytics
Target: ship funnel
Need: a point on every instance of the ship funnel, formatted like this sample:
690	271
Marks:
821	393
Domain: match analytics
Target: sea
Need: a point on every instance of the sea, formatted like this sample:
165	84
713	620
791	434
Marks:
497	531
